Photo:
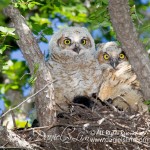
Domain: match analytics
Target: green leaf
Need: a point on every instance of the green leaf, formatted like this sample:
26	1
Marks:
16	5
14	87
14	70
2	89
40	20
2	49
105	24
8	32
36	27
31	5
105	1
22	123
23	6
48	31
92	17
7	102
147	102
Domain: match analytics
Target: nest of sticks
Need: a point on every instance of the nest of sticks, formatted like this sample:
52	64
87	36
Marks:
99	127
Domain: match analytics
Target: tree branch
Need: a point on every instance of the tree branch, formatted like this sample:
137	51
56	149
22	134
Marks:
26	42
126	33
45	103
13	140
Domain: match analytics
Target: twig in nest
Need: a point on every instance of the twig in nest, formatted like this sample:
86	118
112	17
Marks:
88	109
60	107
122	125
35	128
112	106
135	141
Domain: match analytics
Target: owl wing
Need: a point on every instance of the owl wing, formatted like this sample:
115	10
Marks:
122	87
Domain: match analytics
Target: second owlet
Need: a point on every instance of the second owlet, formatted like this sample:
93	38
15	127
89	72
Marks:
119	80
73	65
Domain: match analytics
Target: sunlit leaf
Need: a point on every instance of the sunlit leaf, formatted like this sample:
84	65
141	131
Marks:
22	124
14	87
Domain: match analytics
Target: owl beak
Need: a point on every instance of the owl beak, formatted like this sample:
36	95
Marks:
114	62
77	49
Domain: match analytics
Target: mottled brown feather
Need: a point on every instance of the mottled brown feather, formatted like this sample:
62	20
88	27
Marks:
120	84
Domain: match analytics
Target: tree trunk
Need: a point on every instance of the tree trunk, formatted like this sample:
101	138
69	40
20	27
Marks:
45	104
11	139
126	34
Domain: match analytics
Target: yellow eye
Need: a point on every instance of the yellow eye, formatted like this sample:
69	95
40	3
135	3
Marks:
106	56
83	41
67	42
121	56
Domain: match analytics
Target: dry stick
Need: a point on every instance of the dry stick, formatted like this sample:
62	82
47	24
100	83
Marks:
13	118
35	128
26	99
146	130
89	110
25	75
136	141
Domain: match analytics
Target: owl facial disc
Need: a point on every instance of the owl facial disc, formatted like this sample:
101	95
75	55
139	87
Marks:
72	41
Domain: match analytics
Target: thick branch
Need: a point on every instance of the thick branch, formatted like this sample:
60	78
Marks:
13	140
26	42
126	33
45	104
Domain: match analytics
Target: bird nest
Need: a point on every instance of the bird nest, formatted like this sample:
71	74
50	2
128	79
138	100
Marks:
99	127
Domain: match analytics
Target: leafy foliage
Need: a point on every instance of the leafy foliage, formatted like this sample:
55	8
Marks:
13	72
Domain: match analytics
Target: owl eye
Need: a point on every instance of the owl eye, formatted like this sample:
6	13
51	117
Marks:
83	41
106	56
121	56
67	42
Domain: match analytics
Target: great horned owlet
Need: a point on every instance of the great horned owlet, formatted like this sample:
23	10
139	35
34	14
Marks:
73	65
119	81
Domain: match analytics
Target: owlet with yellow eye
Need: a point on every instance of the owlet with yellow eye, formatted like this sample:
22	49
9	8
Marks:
119	81
73	65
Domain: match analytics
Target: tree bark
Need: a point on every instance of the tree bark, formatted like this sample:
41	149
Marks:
126	34
11	139
45	104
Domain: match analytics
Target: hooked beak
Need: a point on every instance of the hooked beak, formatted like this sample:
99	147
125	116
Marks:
77	48
114	62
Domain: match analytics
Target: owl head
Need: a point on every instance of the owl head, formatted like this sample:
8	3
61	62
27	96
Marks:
72	40
111	55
